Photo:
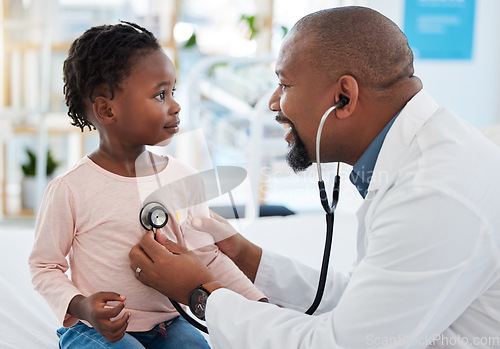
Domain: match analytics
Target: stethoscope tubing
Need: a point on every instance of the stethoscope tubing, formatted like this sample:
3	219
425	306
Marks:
318	140
188	318
330	215
324	264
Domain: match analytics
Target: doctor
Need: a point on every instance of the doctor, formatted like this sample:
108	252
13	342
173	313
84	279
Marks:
428	267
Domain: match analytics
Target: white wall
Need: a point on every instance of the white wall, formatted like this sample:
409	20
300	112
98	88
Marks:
471	88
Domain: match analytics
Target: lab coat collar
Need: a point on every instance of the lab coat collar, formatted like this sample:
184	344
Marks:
415	113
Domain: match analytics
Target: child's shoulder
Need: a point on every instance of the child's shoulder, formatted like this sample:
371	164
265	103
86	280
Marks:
67	181
77	170
81	172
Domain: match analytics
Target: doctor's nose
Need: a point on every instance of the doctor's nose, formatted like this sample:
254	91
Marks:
274	101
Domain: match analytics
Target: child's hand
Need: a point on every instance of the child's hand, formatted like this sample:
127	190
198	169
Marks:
93	309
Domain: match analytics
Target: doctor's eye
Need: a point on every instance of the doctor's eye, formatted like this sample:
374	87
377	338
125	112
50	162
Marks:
160	96
283	86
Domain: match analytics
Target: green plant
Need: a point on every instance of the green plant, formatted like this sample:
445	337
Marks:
251	22
191	41
211	70
29	168
284	30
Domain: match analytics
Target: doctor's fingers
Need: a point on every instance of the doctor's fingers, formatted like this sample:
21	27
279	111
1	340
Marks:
149	258
156	247
175	248
152	248
217	226
217	217
140	260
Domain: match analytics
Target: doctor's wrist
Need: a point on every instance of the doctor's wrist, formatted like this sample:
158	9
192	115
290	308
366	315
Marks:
199	296
211	286
248	260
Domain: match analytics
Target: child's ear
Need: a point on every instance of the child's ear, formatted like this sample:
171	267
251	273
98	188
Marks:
102	111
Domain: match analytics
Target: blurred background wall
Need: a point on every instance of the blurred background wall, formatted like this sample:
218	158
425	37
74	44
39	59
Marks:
224	52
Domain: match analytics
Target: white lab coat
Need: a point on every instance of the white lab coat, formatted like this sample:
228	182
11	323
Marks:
428	268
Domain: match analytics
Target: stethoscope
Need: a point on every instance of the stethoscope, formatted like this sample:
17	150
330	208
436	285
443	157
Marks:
329	209
154	216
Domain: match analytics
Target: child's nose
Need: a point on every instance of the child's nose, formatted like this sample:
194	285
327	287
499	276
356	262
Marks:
175	109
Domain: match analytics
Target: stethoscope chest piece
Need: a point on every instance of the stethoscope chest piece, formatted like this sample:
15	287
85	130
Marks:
153	215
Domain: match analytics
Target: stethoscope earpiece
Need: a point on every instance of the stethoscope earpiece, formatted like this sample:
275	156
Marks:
153	216
343	101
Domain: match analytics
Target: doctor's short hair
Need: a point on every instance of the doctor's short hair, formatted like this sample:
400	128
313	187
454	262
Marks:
357	41
98	61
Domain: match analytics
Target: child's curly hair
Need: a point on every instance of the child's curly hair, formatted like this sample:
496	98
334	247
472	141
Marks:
103	56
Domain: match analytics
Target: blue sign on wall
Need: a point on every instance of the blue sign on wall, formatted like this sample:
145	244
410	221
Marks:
440	29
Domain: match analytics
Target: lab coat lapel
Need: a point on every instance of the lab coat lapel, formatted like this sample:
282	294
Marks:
361	242
391	157
416	112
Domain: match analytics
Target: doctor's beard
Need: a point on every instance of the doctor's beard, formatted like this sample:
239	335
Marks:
297	157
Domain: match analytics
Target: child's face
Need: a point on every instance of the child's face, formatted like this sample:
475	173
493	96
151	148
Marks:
145	109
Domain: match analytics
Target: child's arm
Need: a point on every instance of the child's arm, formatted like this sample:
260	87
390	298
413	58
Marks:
94	310
54	234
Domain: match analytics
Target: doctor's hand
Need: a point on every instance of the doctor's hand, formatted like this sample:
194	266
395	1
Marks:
94	309
168	267
244	253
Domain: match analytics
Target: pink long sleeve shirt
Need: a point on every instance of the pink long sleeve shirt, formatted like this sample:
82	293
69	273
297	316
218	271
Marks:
88	222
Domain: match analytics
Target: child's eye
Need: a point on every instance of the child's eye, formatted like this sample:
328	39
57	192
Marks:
160	96
173	91
283	86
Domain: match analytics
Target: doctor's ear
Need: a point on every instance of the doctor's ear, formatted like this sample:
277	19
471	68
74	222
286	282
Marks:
346	96
102	111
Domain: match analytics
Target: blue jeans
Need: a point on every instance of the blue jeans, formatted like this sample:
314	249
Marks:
172	334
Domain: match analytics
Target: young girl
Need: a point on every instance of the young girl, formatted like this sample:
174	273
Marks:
120	82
